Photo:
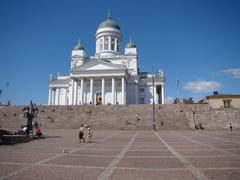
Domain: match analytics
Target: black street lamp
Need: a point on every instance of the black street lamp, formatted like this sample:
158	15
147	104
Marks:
7	98
1	91
30	112
153	84
177	89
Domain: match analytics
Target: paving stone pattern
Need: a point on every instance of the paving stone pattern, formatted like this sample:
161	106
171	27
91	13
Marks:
125	155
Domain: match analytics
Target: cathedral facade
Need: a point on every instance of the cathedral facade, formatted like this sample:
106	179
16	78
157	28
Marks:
108	77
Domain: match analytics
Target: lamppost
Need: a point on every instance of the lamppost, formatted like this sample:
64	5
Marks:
153	84
7	98
177	89
1	91
30	112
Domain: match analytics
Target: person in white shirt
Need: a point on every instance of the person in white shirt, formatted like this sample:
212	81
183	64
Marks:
25	129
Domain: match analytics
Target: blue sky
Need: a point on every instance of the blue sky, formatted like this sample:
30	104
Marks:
194	41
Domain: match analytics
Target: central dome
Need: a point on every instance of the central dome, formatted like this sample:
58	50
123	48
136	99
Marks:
109	23
108	38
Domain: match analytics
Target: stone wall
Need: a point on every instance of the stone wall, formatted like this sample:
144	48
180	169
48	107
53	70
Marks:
213	118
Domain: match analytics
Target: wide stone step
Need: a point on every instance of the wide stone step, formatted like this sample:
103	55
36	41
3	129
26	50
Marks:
123	117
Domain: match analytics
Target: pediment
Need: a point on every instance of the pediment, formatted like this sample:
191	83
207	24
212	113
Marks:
98	65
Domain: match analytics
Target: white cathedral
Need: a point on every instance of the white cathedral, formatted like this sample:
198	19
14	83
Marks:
108	77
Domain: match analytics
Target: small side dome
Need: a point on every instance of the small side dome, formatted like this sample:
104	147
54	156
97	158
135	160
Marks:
78	46
130	44
109	23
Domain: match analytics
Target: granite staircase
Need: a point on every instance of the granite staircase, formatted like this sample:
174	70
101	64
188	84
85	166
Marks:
99	117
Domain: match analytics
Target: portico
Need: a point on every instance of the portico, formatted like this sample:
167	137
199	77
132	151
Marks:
97	91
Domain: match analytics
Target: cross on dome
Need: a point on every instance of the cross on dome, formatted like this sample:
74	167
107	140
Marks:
78	46
109	15
130	44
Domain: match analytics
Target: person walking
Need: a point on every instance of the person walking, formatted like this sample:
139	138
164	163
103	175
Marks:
81	134
89	135
230	126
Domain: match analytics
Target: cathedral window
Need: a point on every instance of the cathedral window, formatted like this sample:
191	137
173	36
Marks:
112	47
106	43
117	45
112	43
101	44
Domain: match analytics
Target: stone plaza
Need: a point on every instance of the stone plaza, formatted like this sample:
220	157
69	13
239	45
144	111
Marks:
115	154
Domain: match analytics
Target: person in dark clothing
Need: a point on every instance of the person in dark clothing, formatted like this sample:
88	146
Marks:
230	126
81	134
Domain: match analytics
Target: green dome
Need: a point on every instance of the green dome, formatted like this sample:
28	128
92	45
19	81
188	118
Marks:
79	46
130	44
109	23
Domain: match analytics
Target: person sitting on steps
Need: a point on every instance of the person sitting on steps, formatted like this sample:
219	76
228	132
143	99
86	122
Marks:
38	132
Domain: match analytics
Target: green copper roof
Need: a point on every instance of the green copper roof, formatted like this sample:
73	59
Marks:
109	23
79	46
130	44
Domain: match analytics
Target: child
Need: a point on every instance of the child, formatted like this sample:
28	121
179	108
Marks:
89	135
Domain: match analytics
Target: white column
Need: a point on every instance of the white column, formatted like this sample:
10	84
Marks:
81	92
71	89
103	91
162	94
91	90
115	45
75	93
49	96
109	42
97	41
157	98
123	91
136	93
53	97
65	96
57	97
113	90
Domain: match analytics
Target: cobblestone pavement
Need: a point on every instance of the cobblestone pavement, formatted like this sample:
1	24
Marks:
116	155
